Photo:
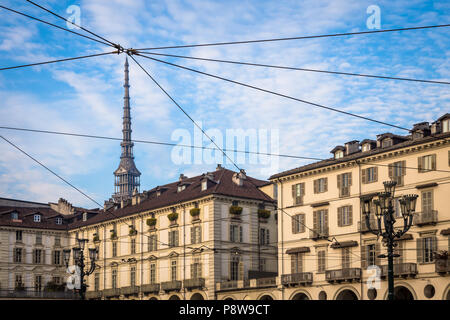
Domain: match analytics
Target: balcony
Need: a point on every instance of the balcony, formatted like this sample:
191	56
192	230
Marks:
24	294
442	266
131	290
266	282
319	233
226	285
110	293
171	285
197	283
424	218
363	227
347	274
403	270
93	295
150	288
294	279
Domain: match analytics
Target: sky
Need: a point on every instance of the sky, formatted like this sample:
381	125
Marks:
86	96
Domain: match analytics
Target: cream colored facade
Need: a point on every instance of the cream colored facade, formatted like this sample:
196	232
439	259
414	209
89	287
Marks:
335	266
184	271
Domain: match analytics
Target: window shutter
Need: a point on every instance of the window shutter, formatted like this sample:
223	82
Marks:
293	264
349	180
375	174
377	253
294	223
364	175
339	181
193	235
302	223
364	255
434	245
339	217
325	184
420	164
193	271
231	234
350	215
391	170
325	219
241	236
176	238
267	237
302	189
433	162
241	270
315	220
403	167
419	245
294	193
316	186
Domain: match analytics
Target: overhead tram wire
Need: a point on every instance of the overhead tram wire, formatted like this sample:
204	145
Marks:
297	38
60	60
193	146
82	28
274	93
56	26
298	69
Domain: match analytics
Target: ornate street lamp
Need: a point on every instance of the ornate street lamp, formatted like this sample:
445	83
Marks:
384	213
78	255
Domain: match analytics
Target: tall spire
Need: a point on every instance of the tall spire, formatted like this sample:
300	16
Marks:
126	175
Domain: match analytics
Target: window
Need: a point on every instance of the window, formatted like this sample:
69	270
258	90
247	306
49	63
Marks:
181	188
152	242
57	257
320	224
344	181
346	258
97	281
446	125
369	175
37	256
426	163
196	234
297	263
133	276
14	215
37	218
365	147
59	220
235	233
152	273
264	238
114	249
204	185
56	280
84	216
133	246
397	171
18	282
298	191
262	264
339	154
298	223
18	255
427	202
345	216
57	241
386	143
173	270
173	238
397	208
370	255
321	261
38	283
425	248
114	278
38	237
19	235
321	185
196	268
235	268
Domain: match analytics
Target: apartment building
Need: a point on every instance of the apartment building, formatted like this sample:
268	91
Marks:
178	241
325	249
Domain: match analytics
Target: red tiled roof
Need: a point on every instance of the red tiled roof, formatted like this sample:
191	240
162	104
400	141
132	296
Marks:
26	220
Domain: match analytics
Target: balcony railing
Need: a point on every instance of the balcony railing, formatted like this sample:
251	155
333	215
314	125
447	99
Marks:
319	233
113	292
129	290
224	285
150	288
426	217
347	274
171	285
93	294
266	282
442	265
401	270
196	283
302	279
363	227
28	294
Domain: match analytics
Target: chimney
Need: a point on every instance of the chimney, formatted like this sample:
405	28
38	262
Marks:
219	167
182	177
351	147
238	178
63	206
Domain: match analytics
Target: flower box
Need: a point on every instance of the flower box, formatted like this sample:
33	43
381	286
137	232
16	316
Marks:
235	210
195	212
113	234
263	214
151	222
172	216
132	231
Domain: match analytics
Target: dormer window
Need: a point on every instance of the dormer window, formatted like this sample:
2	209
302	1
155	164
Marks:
59	220
366	147
204	185
445	125
37	218
84	216
339	154
181	188
14	215
386	143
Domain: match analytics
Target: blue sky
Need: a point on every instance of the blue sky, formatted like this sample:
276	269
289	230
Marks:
86	96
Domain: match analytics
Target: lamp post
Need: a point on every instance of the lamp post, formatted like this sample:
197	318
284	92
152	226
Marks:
384	212
78	255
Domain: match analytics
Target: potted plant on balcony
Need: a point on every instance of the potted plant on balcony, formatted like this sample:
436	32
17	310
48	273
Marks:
113	234
263	215
96	238
172	217
151	222
441	258
235	210
195	213
132	231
